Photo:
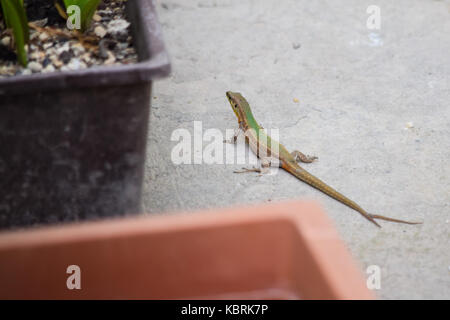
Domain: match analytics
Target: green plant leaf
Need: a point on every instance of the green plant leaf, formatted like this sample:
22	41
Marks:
16	18
87	8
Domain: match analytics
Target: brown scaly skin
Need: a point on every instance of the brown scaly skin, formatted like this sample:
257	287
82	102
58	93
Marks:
258	140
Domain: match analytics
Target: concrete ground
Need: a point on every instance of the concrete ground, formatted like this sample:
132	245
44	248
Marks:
373	105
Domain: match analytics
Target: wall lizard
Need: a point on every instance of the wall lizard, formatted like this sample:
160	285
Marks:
266	149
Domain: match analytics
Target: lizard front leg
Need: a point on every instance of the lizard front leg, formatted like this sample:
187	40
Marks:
234	138
266	162
300	157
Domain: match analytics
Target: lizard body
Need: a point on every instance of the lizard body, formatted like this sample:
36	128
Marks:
259	141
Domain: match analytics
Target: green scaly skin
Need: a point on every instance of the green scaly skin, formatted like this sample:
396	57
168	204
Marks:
259	142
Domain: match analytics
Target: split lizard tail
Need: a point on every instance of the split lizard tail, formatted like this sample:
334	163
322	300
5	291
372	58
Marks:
376	216
315	182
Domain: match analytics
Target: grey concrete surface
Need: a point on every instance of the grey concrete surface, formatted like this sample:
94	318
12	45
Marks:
373	105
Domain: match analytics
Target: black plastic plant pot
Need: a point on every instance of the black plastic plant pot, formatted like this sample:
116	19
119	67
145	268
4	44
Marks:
73	144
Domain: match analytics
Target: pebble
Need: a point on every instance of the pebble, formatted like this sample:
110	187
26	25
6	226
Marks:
76	64
56	62
97	18
46	62
65	56
34	35
111	58
43	36
86	58
6	70
34	66
104	46
64	47
6	41
105	12
100	31
37	55
49	68
78	48
118	26
122	46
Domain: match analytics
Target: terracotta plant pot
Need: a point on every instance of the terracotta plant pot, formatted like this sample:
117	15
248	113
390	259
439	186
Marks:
73	142
278	251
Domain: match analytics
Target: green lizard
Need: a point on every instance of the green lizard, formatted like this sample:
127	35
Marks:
266	148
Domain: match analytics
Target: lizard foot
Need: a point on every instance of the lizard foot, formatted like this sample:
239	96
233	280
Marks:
245	170
300	157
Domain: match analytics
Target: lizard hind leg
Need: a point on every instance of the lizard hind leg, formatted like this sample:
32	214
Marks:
301	157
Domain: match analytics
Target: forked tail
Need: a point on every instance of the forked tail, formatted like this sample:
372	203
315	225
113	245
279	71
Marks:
376	216
315	182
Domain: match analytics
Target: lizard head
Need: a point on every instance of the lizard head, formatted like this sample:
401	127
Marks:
236	100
